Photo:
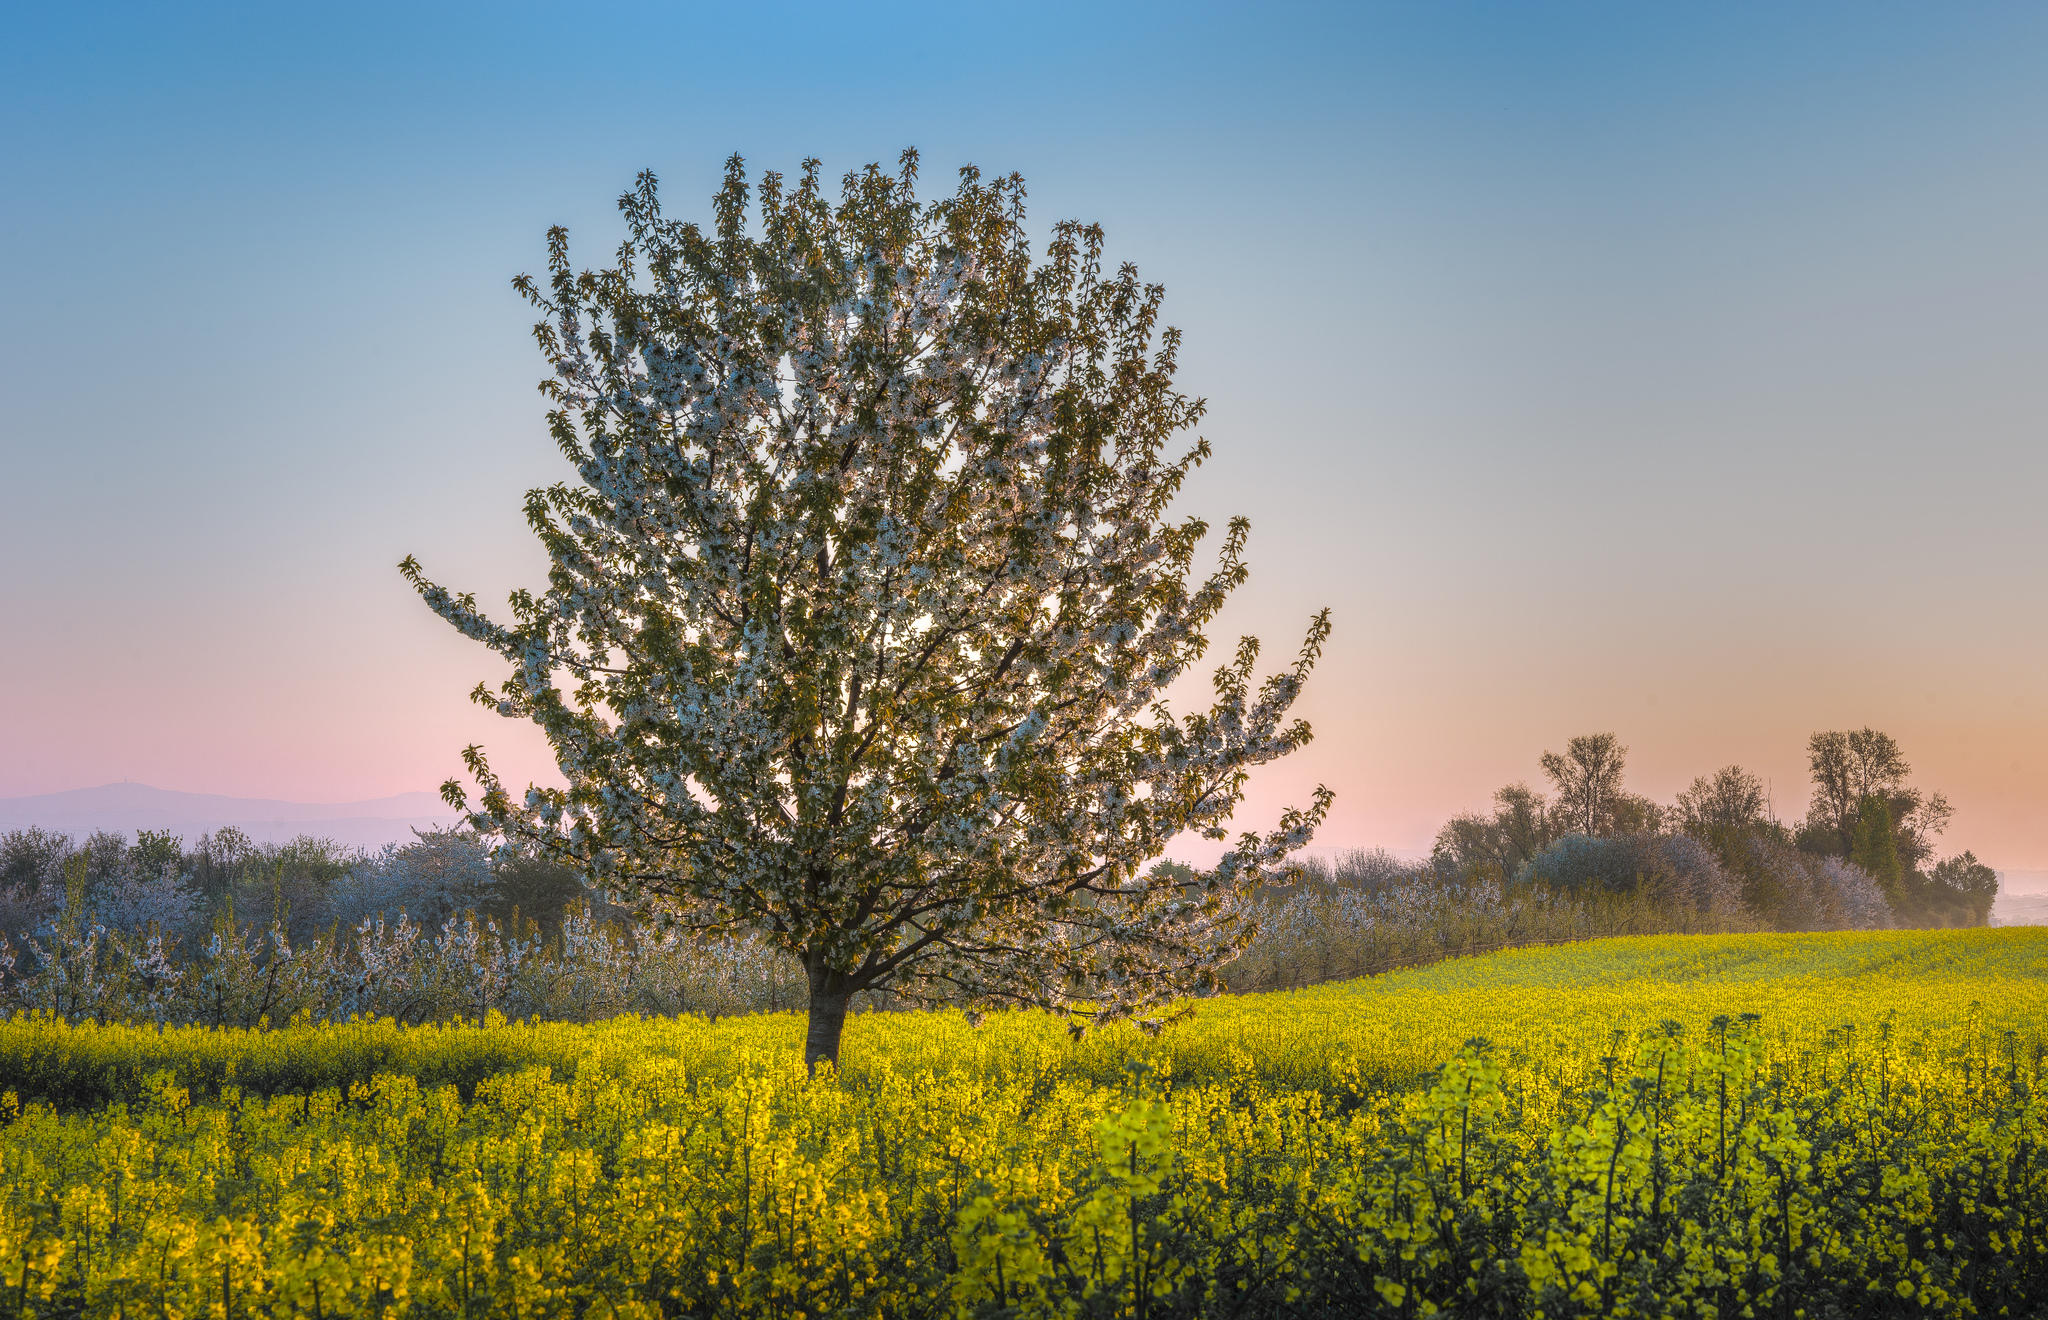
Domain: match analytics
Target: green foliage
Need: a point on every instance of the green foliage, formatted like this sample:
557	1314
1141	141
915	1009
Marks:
1873	847
155	851
1959	891
1852	767
527	888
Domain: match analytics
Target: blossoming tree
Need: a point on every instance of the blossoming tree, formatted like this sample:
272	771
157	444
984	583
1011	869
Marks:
861	612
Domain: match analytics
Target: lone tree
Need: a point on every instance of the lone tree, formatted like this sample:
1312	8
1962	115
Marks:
861	612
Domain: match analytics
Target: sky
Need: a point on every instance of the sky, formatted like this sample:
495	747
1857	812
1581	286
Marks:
1679	371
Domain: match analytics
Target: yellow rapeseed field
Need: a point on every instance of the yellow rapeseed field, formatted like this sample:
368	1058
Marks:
1755	1125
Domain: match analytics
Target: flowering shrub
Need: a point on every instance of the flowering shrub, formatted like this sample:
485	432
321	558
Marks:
466	967
1677	869
1635	1140
1370	914
1801	891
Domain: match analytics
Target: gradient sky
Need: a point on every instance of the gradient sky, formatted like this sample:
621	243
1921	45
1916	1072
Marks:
1675	370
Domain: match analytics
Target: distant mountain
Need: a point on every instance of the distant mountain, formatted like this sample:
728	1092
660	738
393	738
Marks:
130	807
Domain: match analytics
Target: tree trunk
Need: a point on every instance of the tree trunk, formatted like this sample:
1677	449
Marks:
828	1019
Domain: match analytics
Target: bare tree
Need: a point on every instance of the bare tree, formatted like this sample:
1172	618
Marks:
1587	779
1500	844
1728	801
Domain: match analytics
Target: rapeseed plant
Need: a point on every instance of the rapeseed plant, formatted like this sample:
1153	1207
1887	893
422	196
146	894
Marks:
1680	1126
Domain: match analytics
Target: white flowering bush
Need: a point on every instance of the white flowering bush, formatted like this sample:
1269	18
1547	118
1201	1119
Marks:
1849	896
1794	890
133	902
431	930
434	877
466	968
863	606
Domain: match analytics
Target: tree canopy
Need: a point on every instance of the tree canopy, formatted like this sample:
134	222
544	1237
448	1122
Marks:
863	608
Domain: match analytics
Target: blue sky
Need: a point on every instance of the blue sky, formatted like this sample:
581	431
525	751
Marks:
1671	370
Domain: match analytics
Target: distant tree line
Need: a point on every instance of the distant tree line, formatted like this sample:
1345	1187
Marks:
1864	855
230	931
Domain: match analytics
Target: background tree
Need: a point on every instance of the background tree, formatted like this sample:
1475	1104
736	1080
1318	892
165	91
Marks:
1729	801
1498	845
1853	768
1874	848
33	859
1965	887
860	619
1587	778
1632	813
526	888
1522	818
219	859
1917	820
1848	766
1729	812
156	851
